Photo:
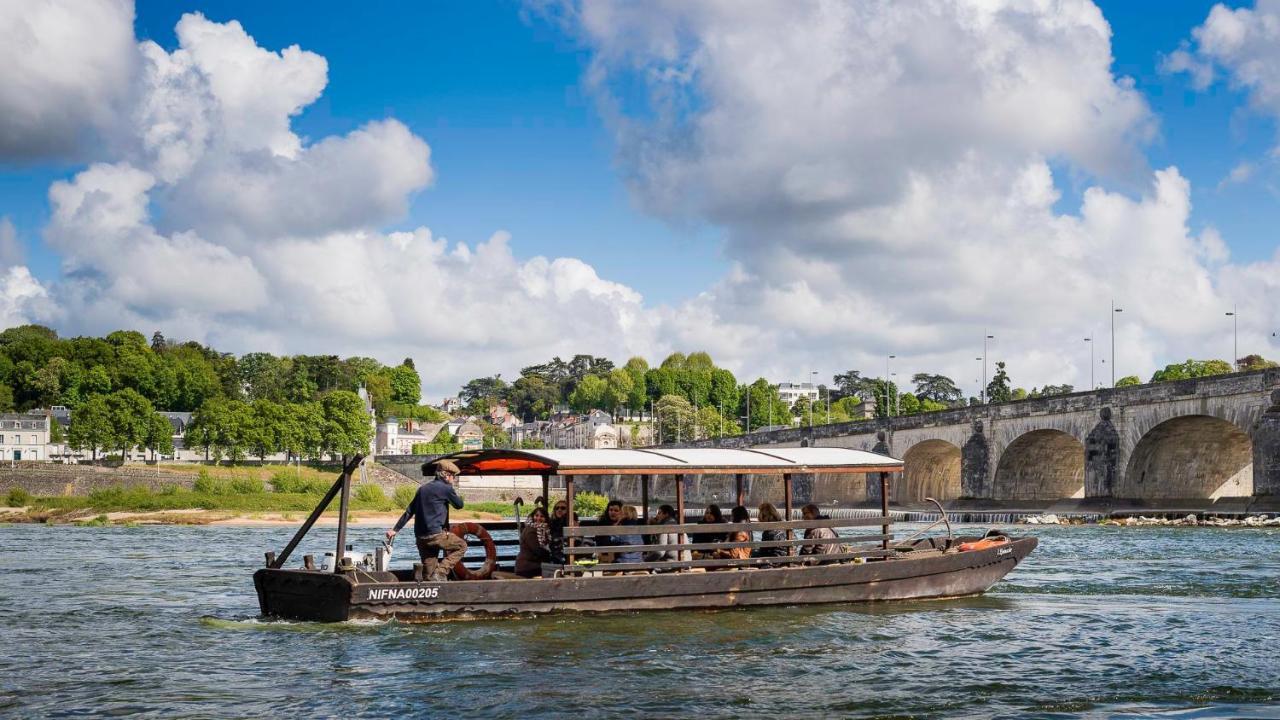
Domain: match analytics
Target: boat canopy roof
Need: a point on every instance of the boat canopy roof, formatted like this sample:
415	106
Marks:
672	461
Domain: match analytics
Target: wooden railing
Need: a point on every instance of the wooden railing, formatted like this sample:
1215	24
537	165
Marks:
573	550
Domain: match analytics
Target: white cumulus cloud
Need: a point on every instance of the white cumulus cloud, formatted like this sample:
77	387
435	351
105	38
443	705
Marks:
66	71
883	171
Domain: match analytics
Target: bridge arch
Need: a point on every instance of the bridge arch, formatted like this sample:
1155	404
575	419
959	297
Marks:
931	468
1190	457
1041	464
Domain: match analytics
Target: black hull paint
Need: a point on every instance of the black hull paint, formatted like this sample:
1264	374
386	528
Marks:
328	597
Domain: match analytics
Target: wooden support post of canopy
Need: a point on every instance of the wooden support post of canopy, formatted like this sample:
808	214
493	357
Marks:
546	492
680	505
644	498
786	502
884	506
568	495
680	497
741	497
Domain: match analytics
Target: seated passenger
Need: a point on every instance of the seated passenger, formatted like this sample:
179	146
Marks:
535	544
810	512
768	513
615	515
738	515
666	516
710	516
559	521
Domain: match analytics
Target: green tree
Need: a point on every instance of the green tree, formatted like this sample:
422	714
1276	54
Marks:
711	424
1128	380
494	436
848	384
617	392
1254	362
938	388
302	437
1064	389
6	398
481	393
533	396
347	429
589	394
130	415
1191	369
999	390
907	404
724	391
91	427
636	367
269	426
159	438
378	385
766	408
97	381
676	419
406	386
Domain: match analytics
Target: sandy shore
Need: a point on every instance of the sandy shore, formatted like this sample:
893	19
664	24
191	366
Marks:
219	517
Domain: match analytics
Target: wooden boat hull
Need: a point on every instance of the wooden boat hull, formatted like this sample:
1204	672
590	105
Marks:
320	596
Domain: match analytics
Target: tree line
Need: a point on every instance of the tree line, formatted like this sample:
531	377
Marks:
257	404
691	397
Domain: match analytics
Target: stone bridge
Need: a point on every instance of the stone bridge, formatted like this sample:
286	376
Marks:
1201	440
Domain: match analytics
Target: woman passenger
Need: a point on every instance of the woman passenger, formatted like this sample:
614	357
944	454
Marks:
738	515
710	516
768	513
616	515
559	521
535	544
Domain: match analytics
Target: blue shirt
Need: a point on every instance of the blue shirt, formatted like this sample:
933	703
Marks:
627	557
430	508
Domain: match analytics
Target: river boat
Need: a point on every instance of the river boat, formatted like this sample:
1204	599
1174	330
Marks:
870	567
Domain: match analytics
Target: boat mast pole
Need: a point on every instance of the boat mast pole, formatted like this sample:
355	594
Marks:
343	505
786	501
306	526
884	508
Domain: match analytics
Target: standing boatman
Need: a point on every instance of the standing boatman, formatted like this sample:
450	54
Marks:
430	512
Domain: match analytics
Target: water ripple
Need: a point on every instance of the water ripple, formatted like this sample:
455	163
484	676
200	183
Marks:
1098	622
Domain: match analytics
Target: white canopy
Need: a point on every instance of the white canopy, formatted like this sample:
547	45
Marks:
672	461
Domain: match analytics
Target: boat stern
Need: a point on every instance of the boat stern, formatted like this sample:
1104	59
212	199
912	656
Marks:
303	594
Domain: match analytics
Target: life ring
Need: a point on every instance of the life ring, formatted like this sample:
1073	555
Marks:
460	571
984	543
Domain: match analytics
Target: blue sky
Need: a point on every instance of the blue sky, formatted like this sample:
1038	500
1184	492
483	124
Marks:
518	145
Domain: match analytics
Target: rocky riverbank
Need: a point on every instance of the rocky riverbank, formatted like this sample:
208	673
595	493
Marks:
1189	520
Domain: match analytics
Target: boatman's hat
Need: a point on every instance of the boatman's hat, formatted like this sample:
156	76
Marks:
442	467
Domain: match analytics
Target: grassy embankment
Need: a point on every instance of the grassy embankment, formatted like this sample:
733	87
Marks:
229	492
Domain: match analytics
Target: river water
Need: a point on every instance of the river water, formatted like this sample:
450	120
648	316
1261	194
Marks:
1098	622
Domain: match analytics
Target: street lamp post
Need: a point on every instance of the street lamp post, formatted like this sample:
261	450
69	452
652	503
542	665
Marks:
813	377
1114	310
985	338
1090	341
982	388
1235	337
888	409
897	397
